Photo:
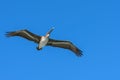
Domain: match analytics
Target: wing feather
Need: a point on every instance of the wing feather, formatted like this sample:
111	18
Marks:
25	34
66	45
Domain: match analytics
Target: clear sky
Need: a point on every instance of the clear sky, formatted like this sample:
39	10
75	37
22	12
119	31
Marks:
92	25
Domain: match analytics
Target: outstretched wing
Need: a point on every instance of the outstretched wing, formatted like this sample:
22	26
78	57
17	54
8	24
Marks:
65	45
25	34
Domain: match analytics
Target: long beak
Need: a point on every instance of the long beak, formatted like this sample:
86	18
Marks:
50	30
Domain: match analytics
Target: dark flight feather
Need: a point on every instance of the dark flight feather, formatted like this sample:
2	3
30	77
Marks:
55	43
25	34
65	45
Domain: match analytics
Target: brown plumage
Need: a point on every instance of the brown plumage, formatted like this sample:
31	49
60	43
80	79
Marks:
25	34
51	42
66	45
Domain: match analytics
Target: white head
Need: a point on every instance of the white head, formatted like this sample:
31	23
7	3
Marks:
48	33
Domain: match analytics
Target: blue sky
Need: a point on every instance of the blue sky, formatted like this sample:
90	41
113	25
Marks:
93	26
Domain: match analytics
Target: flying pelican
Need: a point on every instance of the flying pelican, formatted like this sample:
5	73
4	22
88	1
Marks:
45	40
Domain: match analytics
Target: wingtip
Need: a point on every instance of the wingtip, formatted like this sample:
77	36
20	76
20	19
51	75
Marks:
7	34
79	53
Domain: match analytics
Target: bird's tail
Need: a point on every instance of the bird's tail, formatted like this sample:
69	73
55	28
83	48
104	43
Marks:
38	48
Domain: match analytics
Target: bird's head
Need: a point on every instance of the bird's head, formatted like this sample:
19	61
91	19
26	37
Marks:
48	33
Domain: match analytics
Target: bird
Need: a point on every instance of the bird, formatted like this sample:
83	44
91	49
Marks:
43	41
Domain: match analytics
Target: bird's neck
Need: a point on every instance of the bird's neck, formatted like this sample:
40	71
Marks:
47	35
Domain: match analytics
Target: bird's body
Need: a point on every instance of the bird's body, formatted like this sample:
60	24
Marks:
45	40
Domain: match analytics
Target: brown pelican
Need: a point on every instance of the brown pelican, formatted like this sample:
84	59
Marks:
45	40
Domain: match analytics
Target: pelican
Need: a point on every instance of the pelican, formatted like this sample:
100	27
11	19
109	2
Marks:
45	40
